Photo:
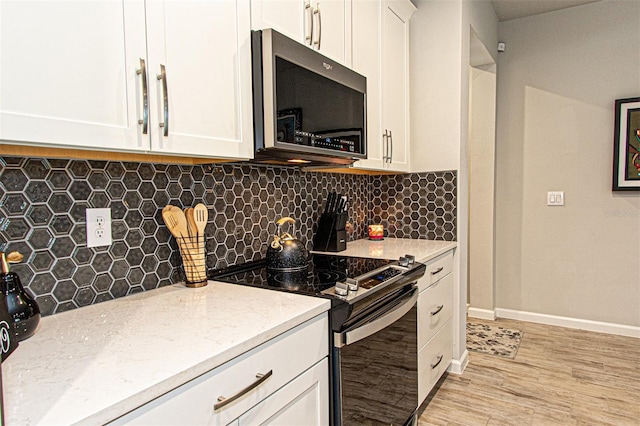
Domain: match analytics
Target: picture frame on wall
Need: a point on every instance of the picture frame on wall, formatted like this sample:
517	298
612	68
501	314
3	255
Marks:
626	145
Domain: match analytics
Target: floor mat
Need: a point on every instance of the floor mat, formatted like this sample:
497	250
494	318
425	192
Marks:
493	340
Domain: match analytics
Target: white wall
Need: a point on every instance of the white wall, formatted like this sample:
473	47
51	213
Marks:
557	82
482	138
440	37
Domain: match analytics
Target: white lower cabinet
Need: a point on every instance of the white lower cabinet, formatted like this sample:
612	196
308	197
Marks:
435	324
304	401
434	359
297	384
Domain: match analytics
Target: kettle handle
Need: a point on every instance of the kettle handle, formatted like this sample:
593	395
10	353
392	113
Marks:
284	220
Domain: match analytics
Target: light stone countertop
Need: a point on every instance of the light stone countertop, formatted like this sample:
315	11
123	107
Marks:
93	364
393	248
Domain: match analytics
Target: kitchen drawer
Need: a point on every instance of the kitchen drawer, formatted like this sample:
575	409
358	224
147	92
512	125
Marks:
304	401
434	359
436	269
286	356
435	308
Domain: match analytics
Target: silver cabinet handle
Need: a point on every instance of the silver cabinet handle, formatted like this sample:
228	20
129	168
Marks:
142	72
390	147
222	401
307	7
317	12
165	98
433	366
437	271
437	311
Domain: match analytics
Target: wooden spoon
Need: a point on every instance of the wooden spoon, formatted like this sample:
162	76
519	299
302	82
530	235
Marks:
201	216
192	228
176	222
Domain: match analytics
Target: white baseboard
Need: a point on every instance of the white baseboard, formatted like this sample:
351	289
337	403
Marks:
457	366
577	323
486	314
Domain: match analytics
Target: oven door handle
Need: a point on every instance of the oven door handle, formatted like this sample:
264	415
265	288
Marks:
366	330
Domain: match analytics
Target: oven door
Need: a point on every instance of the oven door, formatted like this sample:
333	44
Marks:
376	366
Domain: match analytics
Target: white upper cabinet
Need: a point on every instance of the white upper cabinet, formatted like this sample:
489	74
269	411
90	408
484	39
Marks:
68	73
323	25
85	74
381	53
367	30
201	105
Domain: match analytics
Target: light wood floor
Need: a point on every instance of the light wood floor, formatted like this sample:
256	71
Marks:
560	376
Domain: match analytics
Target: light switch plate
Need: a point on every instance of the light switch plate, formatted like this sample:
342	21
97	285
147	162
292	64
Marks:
555	198
98	227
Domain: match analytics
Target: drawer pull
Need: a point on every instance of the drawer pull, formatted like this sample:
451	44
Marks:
437	271
437	311
433	366
222	401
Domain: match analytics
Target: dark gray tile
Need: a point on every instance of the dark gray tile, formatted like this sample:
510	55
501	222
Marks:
84	296
98	179
40	238
146	171
59	179
62	246
115	170
13	179
39	215
78	169
64	291
84	276
36	168
80	190
102	283
116	190
60	202
14	204
64	269
15	228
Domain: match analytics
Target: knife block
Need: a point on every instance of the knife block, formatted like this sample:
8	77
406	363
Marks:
331	234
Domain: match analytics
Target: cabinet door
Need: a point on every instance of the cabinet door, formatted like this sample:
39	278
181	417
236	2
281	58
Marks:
320	24
304	401
202	104
331	29
395	80
289	17
366	27
68	73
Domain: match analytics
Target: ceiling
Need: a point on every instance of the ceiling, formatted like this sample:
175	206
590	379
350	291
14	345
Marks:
511	9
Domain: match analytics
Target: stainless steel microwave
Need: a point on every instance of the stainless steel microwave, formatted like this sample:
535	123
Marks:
308	109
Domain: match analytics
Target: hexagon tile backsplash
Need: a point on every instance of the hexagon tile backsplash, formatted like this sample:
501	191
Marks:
43	202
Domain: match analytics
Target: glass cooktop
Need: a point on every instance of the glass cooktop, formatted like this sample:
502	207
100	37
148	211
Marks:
321	274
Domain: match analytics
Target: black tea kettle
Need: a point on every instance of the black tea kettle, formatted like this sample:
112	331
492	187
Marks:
285	252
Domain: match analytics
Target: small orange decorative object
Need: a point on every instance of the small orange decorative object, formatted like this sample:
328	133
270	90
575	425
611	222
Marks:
376	232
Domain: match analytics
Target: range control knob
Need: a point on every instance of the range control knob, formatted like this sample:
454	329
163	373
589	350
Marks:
342	289
410	258
403	261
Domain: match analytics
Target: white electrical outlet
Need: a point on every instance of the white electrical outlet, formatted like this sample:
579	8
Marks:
98	227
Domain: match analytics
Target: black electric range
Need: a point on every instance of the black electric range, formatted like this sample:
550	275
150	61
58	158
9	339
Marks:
355	285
